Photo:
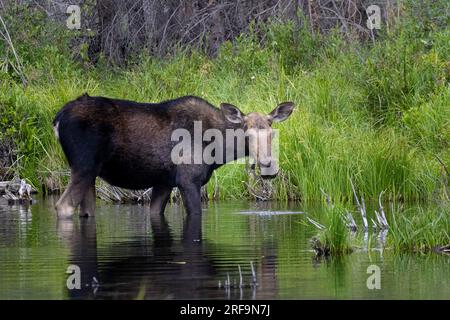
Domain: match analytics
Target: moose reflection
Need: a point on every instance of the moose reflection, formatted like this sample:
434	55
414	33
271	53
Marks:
161	266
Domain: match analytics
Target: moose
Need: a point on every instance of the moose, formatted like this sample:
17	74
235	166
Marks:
129	145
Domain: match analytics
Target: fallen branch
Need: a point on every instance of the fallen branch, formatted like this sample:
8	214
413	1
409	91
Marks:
350	221
17	191
361	208
316	224
383	215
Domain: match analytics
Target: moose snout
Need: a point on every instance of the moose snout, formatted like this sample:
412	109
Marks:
265	162
269	168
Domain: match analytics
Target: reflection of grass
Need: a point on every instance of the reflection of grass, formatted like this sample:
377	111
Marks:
224	227
32	259
403	276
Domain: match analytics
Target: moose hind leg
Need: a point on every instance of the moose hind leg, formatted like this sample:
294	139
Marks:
72	196
64	207
87	206
160	196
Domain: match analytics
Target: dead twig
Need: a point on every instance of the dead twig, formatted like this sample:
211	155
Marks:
316	224
361	208
19	68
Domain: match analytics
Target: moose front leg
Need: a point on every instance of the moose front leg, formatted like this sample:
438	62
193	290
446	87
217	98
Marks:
190	194
192	229
192	202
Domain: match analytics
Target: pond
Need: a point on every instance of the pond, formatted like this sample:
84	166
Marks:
247	251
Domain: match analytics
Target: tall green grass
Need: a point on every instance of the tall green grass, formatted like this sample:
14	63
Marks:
420	230
414	228
334	239
375	112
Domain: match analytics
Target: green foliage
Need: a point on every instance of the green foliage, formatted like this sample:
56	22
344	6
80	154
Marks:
420	230
293	48
401	72
416	229
376	112
428	123
16	131
43	46
334	239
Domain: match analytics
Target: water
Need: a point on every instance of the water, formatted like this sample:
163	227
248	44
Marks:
124	253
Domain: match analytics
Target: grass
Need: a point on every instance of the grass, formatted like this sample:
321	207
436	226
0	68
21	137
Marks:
375	112
334	238
418	229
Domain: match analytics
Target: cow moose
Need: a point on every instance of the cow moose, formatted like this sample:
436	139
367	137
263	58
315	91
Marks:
129	145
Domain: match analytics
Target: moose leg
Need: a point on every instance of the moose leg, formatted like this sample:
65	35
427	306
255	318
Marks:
160	196
72	196
87	207
191	198
192	231
162	236
192	228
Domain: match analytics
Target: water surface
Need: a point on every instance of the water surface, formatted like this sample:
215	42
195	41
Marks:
236	250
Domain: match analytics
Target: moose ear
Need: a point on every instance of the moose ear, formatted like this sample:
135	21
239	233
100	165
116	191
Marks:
282	112
232	113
